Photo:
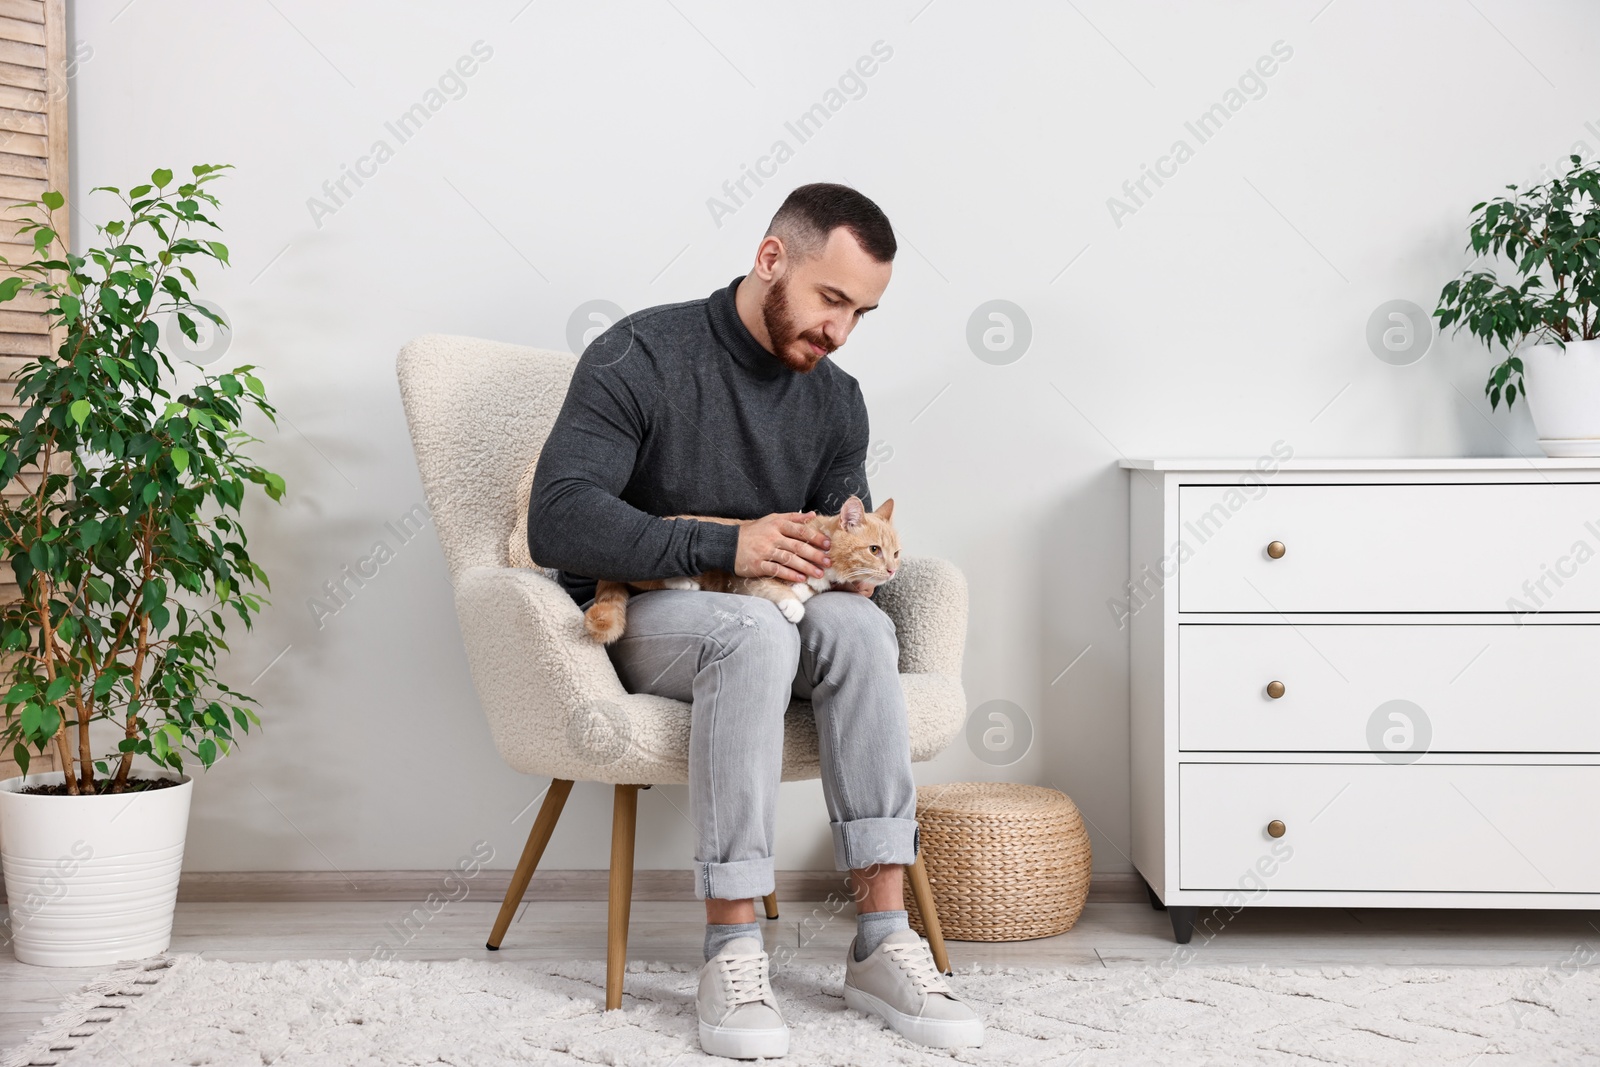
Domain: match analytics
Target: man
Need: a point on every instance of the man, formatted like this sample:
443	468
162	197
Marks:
729	406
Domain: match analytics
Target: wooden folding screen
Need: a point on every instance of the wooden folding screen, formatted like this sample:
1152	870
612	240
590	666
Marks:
33	158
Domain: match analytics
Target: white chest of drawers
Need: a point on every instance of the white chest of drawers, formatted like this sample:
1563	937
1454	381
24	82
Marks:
1364	683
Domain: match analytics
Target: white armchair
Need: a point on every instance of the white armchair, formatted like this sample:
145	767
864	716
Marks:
478	412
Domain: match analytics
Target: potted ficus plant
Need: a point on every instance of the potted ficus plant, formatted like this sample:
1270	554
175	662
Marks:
120	519
1547	319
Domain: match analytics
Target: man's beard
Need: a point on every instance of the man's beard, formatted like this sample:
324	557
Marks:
781	330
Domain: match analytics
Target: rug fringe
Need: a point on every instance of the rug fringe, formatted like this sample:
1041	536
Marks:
85	1013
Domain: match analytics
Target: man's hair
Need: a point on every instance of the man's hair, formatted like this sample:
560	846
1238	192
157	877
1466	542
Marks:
810	213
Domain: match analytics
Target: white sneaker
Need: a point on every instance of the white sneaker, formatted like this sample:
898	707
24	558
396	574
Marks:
900	983
738	1014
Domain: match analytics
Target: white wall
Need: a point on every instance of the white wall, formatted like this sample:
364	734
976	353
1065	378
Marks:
1226	313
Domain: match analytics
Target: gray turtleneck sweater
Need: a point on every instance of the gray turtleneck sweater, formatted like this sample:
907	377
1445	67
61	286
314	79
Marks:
677	409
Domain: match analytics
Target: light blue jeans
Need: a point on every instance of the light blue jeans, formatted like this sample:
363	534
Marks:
738	661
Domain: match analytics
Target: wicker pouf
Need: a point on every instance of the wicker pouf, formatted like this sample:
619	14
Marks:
1007	862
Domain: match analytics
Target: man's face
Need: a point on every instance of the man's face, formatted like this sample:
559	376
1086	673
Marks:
812	306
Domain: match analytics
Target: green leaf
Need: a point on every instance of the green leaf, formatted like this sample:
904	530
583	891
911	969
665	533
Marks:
161	177
10	286
57	689
53	200
254	384
79	411
180	458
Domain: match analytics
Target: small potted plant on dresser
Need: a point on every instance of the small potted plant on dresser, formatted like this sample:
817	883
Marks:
1550	234
119	517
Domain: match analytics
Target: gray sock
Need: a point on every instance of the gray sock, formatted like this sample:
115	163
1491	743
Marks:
873	926
718	934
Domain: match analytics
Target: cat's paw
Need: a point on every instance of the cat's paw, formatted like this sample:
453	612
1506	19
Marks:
681	583
792	610
605	622
803	591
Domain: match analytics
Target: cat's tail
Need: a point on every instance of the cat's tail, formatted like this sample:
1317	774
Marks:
607	617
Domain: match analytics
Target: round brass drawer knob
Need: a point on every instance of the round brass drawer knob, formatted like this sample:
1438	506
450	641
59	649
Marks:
1276	550
1275	828
1275	689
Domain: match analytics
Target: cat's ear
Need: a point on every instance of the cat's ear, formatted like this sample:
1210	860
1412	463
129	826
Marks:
850	515
885	510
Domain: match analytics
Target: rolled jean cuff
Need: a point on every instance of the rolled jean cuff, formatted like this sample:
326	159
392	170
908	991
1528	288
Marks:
738	880
860	843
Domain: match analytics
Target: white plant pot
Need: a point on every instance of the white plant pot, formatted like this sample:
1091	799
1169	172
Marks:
1564	396
91	880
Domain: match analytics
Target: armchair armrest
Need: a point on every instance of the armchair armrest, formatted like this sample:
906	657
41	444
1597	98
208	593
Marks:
927	600
528	652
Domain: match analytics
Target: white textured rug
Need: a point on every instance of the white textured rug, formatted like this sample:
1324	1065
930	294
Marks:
185	1009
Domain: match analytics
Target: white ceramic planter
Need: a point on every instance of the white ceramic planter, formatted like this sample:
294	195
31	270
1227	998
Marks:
1564	396
91	880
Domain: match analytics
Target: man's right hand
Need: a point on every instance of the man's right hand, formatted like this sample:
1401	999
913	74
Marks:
781	546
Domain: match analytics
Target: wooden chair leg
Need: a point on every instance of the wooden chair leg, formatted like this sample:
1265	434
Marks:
624	812
555	798
923	892
771	901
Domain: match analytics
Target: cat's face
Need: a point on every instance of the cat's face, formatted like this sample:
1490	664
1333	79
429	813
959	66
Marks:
864	546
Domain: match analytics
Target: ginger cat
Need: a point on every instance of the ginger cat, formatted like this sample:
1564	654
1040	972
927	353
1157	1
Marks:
864	548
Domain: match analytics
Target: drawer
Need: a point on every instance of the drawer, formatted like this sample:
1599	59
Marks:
1372	548
1476	688
1425	827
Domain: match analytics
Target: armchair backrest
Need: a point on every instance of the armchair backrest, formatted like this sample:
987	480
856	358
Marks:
479	412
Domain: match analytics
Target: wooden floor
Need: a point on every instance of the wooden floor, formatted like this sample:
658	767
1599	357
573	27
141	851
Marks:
1107	935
